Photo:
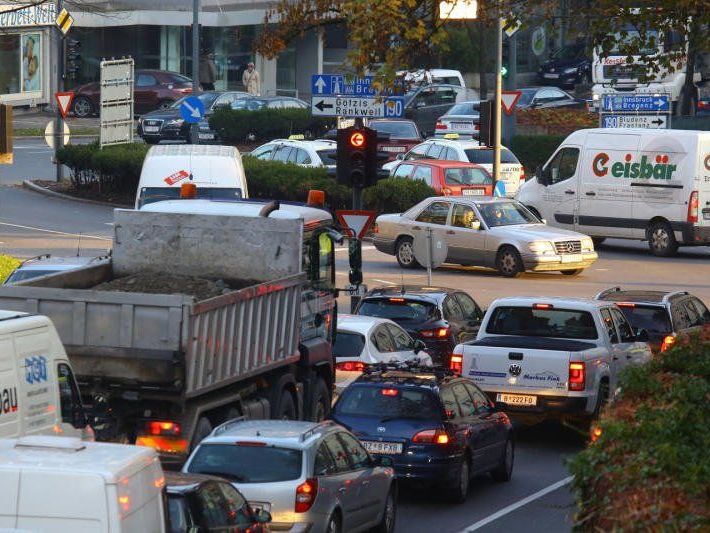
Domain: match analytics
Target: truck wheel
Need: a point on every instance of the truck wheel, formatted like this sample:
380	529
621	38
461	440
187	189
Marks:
202	429
504	471
320	402
285	409
661	240
509	263
404	250
602	399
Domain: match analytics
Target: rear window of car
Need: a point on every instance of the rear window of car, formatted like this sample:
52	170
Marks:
23	275
484	156
388	402
530	322
467	176
247	463
329	156
178	78
150	195
348	344
465	108
398	309
397	130
653	319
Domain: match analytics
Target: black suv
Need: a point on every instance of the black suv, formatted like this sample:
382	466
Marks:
663	315
440	317
438	429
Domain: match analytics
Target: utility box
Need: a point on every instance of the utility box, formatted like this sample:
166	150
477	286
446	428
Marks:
5	134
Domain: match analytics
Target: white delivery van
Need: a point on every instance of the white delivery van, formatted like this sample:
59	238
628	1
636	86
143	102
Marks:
644	184
217	171
61	484
38	393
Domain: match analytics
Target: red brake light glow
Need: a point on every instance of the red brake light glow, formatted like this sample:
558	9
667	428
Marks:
350	366
397	300
668	341
250	443
577	376
441	126
390	392
431	436
306	494
435	333
542	306
693	203
164	428
456	364
626	304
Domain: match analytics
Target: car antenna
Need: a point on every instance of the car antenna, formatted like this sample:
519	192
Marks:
78	246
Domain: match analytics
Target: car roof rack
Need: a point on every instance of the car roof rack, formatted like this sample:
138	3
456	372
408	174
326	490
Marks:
316	429
606	292
35	258
674	294
226	425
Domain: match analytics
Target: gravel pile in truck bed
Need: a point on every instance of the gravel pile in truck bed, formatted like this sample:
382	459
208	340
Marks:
153	283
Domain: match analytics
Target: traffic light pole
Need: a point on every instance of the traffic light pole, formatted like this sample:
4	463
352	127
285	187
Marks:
59	121
510	85
357	191
497	101
194	128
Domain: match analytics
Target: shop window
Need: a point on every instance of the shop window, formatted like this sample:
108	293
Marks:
9	64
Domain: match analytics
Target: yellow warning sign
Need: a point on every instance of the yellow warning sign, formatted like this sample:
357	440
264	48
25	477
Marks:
64	21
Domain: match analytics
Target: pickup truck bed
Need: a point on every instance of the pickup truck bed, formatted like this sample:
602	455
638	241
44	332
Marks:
534	343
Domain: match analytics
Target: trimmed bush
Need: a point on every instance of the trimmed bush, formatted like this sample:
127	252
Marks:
558	119
7	265
395	195
234	126
649	468
534	150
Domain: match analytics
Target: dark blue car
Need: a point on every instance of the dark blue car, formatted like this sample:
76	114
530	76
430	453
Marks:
437	428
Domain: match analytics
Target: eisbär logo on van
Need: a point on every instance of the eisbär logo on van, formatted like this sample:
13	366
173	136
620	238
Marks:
8	400
656	167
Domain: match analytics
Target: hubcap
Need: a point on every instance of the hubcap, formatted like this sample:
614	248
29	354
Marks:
660	238
81	107
332	527
508	262
405	253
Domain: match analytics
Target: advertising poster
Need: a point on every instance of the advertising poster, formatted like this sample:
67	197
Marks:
31	66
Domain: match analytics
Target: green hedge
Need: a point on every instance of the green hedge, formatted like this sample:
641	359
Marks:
649	468
395	195
234	126
534	150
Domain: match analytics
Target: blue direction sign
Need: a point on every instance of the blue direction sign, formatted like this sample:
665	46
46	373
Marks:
357	106
192	109
333	84
635	102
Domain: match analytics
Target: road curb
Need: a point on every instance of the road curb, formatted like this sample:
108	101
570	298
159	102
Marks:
27	184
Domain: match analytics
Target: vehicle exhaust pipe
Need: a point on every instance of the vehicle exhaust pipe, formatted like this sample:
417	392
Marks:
269	208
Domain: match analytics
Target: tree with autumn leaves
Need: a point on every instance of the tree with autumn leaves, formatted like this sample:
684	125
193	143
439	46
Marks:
390	35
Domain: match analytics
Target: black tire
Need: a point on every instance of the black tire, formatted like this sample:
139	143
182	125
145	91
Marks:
389	515
459	493
598	240
165	104
333	524
320	402
509	263
404	252
661	240
575	272
202	429
504	471
286	408
602	399
82	107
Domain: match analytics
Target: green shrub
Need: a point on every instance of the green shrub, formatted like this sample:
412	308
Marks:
649	469
534	150
235	125
396	195
7	265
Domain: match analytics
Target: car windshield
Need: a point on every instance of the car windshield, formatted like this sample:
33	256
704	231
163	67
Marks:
484	156
526	96
247	463
206	98
22	275
388	403
497	214
248	103
348	344
467	176
398	309
530	322
568	53
653	319
396	129
149	195
328	156
465	108
630	35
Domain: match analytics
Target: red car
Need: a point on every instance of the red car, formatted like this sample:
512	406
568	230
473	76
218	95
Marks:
448	178
403	135
152	89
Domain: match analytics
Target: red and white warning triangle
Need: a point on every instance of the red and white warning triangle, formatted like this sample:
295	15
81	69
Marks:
358	221
508	100
64	101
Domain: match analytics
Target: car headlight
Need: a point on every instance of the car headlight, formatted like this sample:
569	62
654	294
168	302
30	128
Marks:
595	97
587	245
570	70
541	247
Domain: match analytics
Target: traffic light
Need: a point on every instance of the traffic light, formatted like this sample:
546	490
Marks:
72	58
487	123
357	157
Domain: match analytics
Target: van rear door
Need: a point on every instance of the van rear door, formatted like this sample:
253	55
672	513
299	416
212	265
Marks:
703	187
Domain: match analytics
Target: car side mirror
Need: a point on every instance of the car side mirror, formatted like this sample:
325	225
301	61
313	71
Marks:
400	157
263	517
419	346
642	335
540	175
383	460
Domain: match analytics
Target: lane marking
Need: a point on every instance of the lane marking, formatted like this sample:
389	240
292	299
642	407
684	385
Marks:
82	235
512	507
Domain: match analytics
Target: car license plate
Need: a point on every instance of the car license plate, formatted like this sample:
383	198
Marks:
395	149
574	258
460	126
473	192
260	506
382	447
516	399
205	136
151	129
551	76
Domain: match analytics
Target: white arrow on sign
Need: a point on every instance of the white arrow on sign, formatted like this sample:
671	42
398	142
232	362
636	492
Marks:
194	112
320	85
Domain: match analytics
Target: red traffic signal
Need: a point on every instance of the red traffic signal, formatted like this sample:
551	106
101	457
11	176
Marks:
357	140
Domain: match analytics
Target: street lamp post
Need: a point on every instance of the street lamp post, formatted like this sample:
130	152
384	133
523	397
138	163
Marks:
195	60
497	99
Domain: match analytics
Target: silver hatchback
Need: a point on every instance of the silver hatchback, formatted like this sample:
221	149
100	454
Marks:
312	477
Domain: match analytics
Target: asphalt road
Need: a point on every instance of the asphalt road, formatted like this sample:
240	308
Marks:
32	160
538	498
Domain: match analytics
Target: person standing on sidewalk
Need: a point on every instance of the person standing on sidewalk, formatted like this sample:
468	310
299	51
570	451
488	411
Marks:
250	79
208	71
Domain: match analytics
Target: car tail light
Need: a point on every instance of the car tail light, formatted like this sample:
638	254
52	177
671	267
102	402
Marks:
390	392
351	366
456	364
693	207
438	333
431	436
702	104
184	90
668	342
163	428
477	127
522	175
577	376
441	126
306	494
397	300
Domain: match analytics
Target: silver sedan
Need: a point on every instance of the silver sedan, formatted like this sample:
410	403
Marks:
494	232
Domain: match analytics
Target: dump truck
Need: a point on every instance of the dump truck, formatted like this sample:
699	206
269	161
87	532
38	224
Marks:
205	312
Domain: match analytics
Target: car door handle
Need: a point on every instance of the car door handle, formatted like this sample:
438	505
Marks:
450	232
590	193
569	192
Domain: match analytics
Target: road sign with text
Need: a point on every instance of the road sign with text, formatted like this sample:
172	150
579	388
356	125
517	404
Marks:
351	106
336	84
635	121
635	102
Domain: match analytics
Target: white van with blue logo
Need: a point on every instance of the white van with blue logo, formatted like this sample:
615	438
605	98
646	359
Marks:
644	184
38	392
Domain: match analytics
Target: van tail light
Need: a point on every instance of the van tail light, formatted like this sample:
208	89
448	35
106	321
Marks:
702	104
522	175
693	202
477	127
432	436
577	376
456	364
668	342
351	366
305	495
438	333
164	436
441	126
163	428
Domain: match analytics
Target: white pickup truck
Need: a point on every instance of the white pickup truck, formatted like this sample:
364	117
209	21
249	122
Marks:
554	358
